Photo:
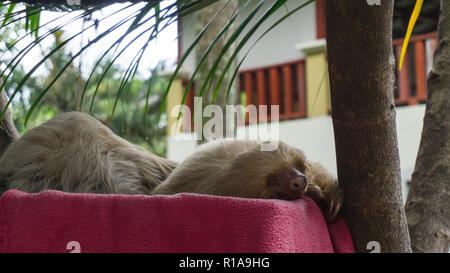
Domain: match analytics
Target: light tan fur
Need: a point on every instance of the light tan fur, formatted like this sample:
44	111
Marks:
74	152
239	168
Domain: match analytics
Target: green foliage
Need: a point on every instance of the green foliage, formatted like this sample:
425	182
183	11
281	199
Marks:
135	117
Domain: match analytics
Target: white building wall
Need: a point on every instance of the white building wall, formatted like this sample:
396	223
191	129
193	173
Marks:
277	46
315	137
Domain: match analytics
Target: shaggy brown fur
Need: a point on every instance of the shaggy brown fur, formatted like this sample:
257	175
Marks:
74	152
239	168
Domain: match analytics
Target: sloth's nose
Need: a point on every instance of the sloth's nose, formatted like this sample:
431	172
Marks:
298	183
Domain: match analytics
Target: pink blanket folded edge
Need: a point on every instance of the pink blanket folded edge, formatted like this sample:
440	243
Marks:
338	231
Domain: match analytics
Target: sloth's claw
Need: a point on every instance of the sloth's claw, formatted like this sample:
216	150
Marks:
334	200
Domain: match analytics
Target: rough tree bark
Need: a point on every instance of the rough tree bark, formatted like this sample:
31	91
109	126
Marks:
428	202
361	67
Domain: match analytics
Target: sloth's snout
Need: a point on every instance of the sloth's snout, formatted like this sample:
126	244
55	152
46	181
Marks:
292	185
298	182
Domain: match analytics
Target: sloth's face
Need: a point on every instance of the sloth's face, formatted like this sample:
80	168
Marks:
290	174
282	173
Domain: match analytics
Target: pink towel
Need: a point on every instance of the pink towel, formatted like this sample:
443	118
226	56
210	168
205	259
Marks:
54	221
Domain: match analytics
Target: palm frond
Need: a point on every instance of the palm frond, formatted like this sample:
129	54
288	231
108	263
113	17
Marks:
8	14
279	21
22	53
186	54
134	25
33	17
147	21
275	6
77	54
229	43
12	45
117	43
58	47
130	72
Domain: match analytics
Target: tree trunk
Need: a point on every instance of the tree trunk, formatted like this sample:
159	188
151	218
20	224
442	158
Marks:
8	132
428	202
361	68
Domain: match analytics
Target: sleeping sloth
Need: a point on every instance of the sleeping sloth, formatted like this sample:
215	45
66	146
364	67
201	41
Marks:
240	168
74	152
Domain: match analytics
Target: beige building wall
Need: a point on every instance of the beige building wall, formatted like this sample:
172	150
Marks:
174	98
318	101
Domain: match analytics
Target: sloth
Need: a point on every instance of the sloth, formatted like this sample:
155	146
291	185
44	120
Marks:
74	152
240	168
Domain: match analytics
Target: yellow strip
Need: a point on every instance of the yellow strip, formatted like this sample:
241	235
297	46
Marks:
412	22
